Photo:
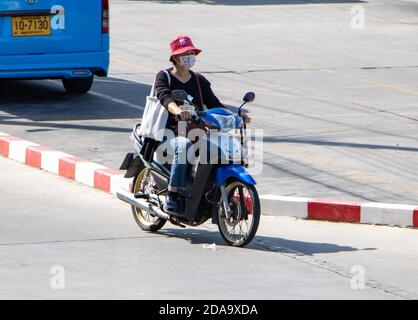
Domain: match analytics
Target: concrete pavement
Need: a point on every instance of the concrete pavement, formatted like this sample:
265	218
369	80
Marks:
338	105
50	224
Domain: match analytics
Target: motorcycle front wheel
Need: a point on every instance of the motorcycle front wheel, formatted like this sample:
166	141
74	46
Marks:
241	227
145	220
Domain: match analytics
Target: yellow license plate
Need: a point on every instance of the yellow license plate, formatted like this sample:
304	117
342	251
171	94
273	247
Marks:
31	26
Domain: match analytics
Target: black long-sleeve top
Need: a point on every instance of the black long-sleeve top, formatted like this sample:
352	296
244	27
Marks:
163	92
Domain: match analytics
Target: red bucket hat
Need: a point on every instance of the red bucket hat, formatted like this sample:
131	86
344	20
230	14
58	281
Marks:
182	44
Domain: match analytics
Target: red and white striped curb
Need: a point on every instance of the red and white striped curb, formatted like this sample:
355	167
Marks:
63	164
342	211
110	180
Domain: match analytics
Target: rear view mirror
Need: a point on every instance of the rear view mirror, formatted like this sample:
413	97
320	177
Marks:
249	97
179	95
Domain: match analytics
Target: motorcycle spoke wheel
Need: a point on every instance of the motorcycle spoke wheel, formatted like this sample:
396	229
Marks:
242	225
144	219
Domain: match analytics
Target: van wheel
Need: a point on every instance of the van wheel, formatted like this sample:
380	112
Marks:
79	86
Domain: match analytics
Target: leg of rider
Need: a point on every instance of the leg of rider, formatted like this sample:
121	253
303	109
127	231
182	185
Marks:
178	177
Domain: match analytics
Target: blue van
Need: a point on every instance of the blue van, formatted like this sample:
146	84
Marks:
55	39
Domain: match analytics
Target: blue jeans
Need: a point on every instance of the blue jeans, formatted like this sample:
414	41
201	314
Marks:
179	166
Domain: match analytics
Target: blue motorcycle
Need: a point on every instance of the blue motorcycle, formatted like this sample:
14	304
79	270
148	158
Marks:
219	188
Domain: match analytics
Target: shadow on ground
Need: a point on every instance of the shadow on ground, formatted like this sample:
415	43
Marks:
46	100
261	243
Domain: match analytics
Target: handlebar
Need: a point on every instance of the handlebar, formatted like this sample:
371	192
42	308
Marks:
177	117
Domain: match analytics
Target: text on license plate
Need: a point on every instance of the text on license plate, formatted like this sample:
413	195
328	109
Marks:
31	26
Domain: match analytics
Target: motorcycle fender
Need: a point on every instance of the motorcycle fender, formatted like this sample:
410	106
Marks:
127	161
224	172
134	167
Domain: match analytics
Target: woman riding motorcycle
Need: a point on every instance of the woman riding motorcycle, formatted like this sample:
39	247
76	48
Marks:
183	57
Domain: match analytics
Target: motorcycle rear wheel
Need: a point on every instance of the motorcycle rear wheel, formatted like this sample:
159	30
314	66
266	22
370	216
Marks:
239	219
144	220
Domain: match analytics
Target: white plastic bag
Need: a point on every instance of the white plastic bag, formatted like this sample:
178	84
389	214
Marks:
155	116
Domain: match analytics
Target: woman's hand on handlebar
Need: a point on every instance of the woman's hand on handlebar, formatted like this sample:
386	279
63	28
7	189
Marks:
184	115
178	113
246	118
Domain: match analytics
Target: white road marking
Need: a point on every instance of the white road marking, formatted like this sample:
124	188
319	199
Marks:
120	101
110	98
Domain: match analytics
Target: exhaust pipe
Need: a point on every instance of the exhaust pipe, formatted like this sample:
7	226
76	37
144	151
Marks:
128	197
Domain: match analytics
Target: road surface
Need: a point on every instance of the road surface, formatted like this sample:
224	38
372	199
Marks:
54	227
337	103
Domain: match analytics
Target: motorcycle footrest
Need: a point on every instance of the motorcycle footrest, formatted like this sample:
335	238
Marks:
141	195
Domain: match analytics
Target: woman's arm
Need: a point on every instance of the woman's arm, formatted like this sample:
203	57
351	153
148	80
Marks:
162	89
163	92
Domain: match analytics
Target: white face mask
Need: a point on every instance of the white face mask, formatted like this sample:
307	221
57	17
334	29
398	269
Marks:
188	61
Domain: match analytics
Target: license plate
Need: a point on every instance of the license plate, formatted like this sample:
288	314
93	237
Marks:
31	26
